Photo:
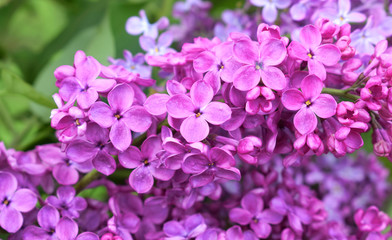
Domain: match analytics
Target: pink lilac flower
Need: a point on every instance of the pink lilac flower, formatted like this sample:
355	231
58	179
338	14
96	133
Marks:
216	163
146	164
51	226
260	62
345	15
310	49
253	213
365	39
198	111
120	116
191	227
310	102
84	86
71	123
270	11
373	93
138	25
66	201
133	64
13	201
159	48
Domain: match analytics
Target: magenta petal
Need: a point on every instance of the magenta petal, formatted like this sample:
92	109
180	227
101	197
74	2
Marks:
88	69
262	229
201	179
65	175
204	62
293	99
102	114
201	94
245	51
354	140
230	67
212	79
273	78
156	104
269	12
87	98
121	98
240	216
180	106
317	68
246	78
324	106
174	229
134	26
295	222
87	236
272	52
252	203
194	129
137	119
120	135
102	85
162	174
229	174
297	51
104	163
141	179
305	121
81	151
48	217
131	158
327	54
11	219
310	36
66	229
217	113
24	200
8	184
195	163
69	88
311	87
271	216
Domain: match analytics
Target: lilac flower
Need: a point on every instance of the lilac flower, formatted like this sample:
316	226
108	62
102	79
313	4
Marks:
152	48
270	11
136	25
252	213
181	7
217	64
310	49
310	102
84	86
146	165
95	148
371	220
66	201
345	15
120	116
64	170
51	226
366	38
197	111
70	124
133	64
260	61
13	202
191	227
218	163
373	93
87	236
299	10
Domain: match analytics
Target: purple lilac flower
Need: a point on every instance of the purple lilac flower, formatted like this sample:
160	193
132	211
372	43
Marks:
51	226
270	7
217	163
13	202
198	111
146	164
365	39
310	102
311	50
260	61
191	227
120	116
66	201
136	25
133	64
158	48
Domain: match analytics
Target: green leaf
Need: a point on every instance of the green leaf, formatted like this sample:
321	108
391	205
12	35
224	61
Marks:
96	41
99	193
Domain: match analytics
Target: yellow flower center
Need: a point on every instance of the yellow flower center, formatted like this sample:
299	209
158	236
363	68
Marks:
77	122
117	116
308	103
198	115
310	55
145	162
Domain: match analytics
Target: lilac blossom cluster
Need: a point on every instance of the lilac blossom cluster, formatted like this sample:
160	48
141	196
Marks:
247	138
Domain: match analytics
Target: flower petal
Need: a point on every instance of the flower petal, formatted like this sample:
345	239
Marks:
104	163
64	174
201	94
11	219
293	99
8	184
156	104
245	51
195	163
272	52
317	68
141	179
24	200
311	87
120	135
246	78
131	158
273	78
180	106
240	216
297	51
67	229
310	37
102	114
194	129
327	54
201	179
305	121
269	13
204	62
48	217
324	106
121	98
137	119
217	113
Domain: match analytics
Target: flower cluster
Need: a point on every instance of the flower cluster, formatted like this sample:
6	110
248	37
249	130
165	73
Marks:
231	146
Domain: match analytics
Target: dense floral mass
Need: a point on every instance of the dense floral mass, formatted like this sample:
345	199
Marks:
244	134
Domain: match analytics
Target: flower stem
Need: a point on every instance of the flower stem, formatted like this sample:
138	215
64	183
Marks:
86	180
340	93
